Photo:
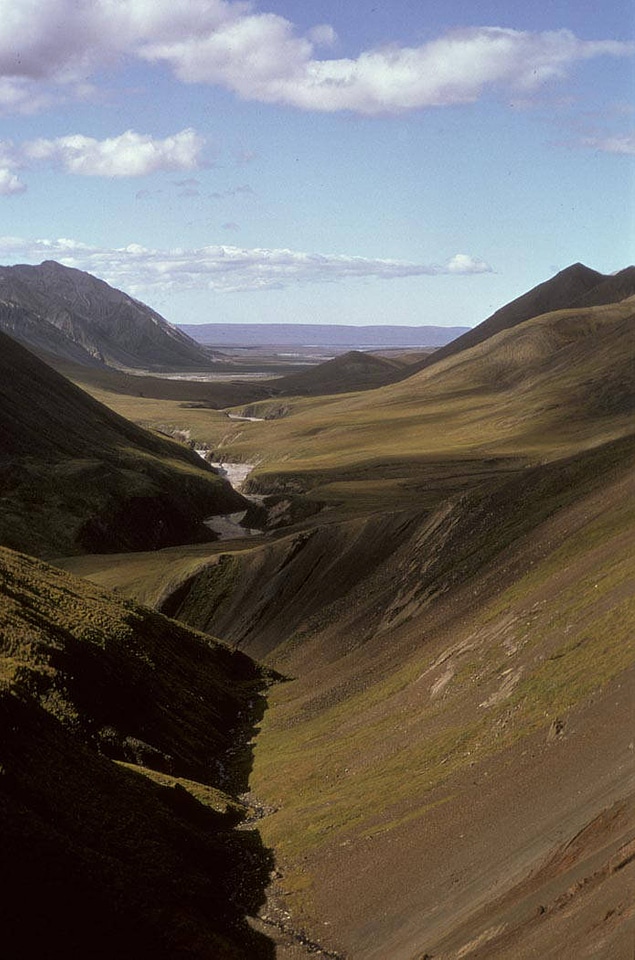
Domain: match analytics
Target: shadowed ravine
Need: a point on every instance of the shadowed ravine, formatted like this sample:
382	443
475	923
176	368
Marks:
127	740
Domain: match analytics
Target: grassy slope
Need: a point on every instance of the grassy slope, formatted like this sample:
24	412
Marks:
460	674
74	475
134	858
550	386
566	289
492	648
463	667
477	635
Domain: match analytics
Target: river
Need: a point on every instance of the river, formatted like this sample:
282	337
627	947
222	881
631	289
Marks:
227	525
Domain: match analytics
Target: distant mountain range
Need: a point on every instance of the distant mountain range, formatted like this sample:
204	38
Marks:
334	336
72	315
79	323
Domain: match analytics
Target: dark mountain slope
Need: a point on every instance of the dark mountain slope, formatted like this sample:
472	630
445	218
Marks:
75	476
75	316
561	291
102	859
610	290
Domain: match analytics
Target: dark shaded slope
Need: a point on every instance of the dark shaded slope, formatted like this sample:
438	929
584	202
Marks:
101	861
611	290
75	476
74	315
213	394
343	374
560	292
28	327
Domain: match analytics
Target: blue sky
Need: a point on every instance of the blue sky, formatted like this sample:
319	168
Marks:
367	162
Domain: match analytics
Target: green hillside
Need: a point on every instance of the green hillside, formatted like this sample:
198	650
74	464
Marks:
75	477
450	761
445	767
552	385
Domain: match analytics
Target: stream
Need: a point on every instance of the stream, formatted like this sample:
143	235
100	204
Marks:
227	525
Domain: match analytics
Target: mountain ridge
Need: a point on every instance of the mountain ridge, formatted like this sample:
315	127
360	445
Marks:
568	288
72	314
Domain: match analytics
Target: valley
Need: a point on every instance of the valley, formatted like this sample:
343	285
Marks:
421	703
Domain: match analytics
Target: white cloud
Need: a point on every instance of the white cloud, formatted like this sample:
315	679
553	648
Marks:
128	155
462	263
618	143
18	95
261	56
223	268
10	183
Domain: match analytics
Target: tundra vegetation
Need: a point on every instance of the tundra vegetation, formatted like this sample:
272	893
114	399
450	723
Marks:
444	613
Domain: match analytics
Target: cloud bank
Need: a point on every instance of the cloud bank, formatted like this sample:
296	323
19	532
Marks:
261	56
222	268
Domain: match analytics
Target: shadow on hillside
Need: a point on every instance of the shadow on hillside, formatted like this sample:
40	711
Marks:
107	861
237	763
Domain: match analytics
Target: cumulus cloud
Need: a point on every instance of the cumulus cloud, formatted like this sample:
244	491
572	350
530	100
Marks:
128	155
10	182
462	263
223	268
262	56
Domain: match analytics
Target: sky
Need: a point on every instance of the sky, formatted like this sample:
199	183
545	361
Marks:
397	162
